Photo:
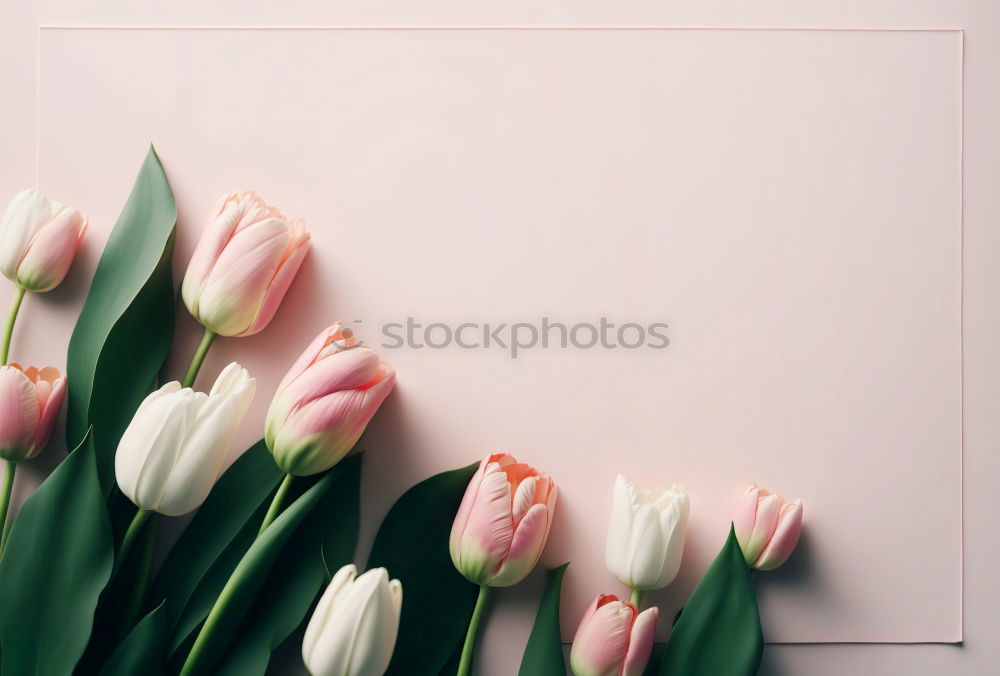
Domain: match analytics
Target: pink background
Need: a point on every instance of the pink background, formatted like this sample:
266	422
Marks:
896	322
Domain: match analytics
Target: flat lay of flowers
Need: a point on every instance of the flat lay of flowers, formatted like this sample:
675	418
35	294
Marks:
269	556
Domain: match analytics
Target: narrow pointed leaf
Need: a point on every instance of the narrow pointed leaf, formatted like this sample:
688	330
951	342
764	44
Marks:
412	544
142	650
543	655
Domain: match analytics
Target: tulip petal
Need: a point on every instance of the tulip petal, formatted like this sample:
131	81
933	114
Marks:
768	506
785	537
602	639
315	631
640	644
746	515
647	548
27	212
49	412
19	414
673	525
489	530
50	252
279	285
343	371
213	240
525	547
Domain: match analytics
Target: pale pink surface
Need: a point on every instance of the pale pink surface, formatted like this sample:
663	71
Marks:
729	356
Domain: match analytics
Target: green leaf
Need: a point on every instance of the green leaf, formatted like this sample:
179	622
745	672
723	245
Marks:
245	584
330	532
239	494
142	650
57	561
412	543
719	631
124	331
543	655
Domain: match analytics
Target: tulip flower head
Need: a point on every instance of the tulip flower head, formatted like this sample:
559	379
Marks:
503	522
325	401
38	241
243	265
353	630
613	639
646	534
176	446
767	528
30	400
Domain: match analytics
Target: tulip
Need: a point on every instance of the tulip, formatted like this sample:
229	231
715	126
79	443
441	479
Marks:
503	522
352	632
646	534
243	265
324	402
613	639
38	240
29	405
174	449
767	528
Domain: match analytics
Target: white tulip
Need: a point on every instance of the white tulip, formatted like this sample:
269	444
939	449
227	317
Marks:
177	443
646	535
353	629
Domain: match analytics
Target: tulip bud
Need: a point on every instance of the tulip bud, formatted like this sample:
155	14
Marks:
38	240
503	522
324	402
767	528
174	449
30	401
613	639
646	534
243	265
352	632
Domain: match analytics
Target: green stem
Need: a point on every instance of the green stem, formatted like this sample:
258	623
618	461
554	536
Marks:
138	592
465	665
8	484
636	597
131	535
194	664
15	305
199	357
276	503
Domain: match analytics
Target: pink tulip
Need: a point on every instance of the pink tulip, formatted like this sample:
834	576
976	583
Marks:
503	522
243	265
614	639
38	241
29	405
325	401
767	528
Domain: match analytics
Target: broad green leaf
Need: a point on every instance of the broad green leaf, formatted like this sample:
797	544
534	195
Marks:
124	331
57	561
412	544
244	586
719	632
243	491
330	533
142	650
543	655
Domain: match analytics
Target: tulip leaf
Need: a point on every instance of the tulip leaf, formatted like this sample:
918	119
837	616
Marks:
240	493
412	543
543	655
57	561
142	650
250	575
331	533
125	328
719	631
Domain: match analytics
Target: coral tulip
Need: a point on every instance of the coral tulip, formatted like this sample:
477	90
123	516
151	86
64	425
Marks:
503	522
38	241
324	402
767	528
29	405
613	639
243	265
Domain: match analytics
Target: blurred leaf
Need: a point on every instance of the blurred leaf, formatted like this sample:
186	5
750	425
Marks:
330	532
125	328
240	493
57	561
412	543
719	631
543	655
142	650
249	577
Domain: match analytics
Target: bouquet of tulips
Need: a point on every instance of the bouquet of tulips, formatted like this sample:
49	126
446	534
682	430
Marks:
269	554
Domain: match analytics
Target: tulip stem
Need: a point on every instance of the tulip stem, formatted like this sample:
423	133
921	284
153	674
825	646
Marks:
276	503
15	305
636	597
131	535
465	664
199	357
8	484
